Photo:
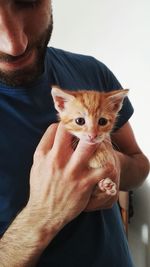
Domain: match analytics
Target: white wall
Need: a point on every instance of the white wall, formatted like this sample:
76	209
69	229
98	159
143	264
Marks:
117	33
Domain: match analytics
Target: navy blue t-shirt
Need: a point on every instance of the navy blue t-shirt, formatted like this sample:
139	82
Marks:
94	239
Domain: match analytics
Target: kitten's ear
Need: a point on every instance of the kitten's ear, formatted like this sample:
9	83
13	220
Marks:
116	98
60	98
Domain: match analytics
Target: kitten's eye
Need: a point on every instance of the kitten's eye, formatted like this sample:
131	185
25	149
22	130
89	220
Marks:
80	121
102	121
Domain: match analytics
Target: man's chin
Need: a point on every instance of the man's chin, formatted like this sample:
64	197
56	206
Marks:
23	77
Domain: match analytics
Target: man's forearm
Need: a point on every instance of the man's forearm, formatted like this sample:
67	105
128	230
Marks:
23	242
134	170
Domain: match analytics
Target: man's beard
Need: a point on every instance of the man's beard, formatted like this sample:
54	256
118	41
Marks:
27	75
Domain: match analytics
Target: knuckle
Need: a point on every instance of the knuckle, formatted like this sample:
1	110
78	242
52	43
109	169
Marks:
53	125
38	154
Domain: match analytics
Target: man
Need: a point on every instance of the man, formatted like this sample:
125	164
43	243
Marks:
47	214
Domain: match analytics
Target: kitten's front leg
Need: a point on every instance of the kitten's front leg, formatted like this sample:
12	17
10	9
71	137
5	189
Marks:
108	186
105	185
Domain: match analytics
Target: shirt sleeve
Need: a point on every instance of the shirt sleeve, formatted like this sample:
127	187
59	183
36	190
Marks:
111	83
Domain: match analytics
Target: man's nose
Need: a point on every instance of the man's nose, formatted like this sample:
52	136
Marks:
13	40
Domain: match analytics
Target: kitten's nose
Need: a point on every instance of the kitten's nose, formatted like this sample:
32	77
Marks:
92	136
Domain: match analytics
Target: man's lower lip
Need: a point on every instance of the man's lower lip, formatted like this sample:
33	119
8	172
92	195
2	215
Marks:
19	63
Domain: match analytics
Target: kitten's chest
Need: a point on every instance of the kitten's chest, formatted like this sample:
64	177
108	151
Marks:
102	155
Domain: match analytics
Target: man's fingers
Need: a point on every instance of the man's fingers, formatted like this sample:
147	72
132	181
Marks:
82	154
98	174
63	141
100	201
47	140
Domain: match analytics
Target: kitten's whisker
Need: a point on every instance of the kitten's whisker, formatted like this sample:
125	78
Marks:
75	142
107	140
114	145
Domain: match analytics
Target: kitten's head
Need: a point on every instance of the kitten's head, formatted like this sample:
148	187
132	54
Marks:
88	115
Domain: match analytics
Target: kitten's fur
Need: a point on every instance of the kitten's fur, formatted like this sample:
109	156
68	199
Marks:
91	116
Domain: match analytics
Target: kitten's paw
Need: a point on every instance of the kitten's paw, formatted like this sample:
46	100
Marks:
108	186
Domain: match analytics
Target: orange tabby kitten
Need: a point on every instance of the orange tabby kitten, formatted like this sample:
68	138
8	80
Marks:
91	116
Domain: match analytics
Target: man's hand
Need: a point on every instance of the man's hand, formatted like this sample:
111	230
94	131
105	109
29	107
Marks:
61	182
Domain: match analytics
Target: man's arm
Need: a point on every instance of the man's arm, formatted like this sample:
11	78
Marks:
24	241
60	188
134	165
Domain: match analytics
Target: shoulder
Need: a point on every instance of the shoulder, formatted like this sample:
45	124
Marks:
75	58
56	52
85	66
